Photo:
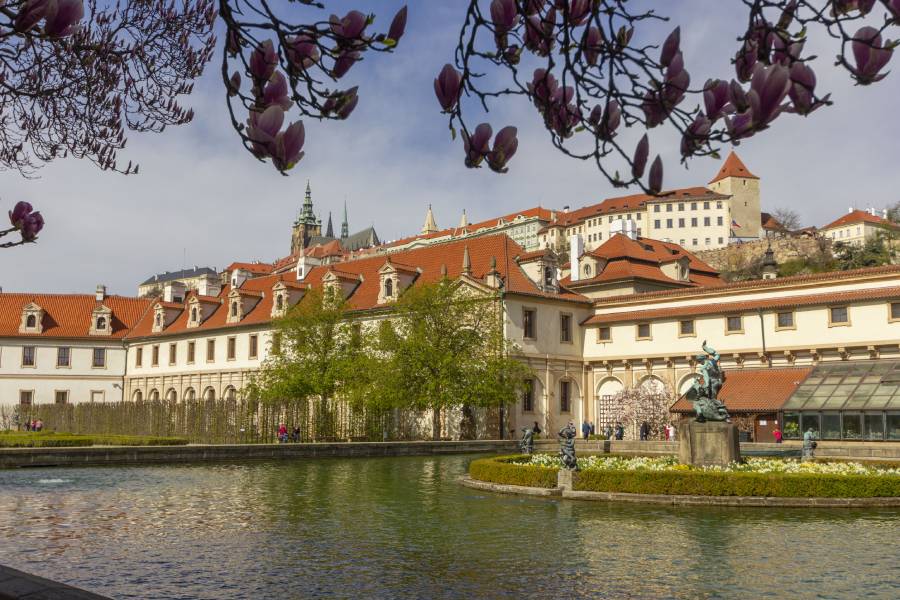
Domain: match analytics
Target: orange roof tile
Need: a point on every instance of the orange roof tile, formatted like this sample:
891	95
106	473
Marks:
257	268
633	202
860	216
69	315
723	308
733	167
541	213
754	390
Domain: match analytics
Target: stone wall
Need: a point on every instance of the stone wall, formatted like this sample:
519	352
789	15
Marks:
735	256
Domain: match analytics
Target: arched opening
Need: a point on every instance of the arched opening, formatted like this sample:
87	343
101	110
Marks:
234	309
154	394
158	319
651	384
587	270
194	314
608	390
389	288
209	393
548	276
190	394
101	323
279	302
137	396
172	395
230	393
685	384
30	321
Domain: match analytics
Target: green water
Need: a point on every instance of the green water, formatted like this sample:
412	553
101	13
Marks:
404	528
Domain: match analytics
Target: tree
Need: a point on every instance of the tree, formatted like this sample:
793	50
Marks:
318	354
874	252
788	219
445	349
637	405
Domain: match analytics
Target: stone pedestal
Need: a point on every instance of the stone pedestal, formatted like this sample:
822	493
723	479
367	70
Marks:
565	479
709	443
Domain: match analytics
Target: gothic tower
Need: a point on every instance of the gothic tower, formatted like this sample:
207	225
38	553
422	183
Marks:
306	226
345	226
735	180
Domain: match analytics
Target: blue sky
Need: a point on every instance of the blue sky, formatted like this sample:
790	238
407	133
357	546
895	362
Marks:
200	199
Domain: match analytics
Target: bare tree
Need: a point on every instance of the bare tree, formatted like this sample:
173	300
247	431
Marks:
788	219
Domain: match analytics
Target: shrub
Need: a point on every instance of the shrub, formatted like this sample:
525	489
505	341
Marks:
42	440
136	440
713	483
502	470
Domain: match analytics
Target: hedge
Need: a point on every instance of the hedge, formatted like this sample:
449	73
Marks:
712	483
501	470
50	439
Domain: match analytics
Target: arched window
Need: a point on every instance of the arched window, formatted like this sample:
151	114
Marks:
172	395
137	396
234	309
158	319
194	314
101	323
587	270
209	393
154	394
30	321
230	393
388	288
190	394
279	302
548	275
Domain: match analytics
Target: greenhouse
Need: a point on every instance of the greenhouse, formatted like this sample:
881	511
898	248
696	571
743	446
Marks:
846	401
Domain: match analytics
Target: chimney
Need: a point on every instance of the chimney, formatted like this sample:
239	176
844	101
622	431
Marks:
100	295
626	227
566	208
850	210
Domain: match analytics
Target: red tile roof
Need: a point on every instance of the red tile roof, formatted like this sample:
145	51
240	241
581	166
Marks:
733	167
641	259
754	390
543	214
429	259
634	202
257	268
770	223
723	308
860	216
69	315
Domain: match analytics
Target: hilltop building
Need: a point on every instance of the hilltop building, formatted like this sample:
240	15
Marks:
203	279
307	231
857	226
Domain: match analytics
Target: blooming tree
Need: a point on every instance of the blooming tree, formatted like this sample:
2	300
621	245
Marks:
650	404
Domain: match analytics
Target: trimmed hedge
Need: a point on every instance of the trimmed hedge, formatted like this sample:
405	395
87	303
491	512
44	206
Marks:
501	470
712	483
50	439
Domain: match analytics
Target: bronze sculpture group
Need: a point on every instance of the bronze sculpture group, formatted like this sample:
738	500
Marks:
704	392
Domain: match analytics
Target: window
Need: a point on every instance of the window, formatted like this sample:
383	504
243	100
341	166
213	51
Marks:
210	350
587	270
191	351
159	319
720	220
194	314
254	345
565	399
721	240
706	206
694	242
693	206
276	342
785	320
656	224
706	221
26	396
101	323
669	223
718	204
63	357
895	311
388	288
681	222
28	356
706	241
643	331
61	396
656	208
279	302
138	357
234	308
734	324
30	322
604	334
565	328
528	323
232	345
838	315
693	221
686	327
669	207
528	396
173	350
97	396
99	359
681	206
154	359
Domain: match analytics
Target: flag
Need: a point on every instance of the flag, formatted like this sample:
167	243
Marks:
735	224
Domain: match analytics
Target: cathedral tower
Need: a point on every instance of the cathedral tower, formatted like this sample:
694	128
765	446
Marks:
306	226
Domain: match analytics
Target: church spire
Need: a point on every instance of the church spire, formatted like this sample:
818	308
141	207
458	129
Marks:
467	261
464	220
345	225
329	230
430	226
306	215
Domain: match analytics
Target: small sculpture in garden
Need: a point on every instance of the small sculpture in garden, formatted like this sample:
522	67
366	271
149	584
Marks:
705	390
527	443
566	438
809	444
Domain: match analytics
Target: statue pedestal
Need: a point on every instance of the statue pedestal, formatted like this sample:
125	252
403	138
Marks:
564	479
709	443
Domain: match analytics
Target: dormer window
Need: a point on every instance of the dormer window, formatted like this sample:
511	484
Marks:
30	322
101	321
159	319
101	324
549	279
194	318
234	309
587	270
32	319
279	302
388	288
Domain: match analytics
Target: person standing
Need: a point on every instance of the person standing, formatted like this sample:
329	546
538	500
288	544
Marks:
593	431
672	432
645	431
777	435
585	430
608	432
620	431
282	433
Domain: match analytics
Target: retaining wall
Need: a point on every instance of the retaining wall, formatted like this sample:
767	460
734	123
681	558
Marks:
18	585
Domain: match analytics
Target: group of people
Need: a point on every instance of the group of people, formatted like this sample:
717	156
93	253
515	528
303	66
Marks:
35	425
283	436
618	432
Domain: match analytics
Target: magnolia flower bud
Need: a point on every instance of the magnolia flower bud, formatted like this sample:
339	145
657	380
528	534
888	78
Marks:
398	25
477	145
447	87
639	162
505	146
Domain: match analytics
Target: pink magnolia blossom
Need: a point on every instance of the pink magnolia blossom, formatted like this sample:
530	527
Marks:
263	61
478	145
398	25
870	56
62	17
641	153
447	87
505	146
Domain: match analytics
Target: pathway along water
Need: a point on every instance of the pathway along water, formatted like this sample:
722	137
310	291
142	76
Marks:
404	528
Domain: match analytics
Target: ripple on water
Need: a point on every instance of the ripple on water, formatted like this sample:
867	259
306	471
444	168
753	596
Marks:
403	528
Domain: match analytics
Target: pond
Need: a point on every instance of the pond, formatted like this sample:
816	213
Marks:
404	528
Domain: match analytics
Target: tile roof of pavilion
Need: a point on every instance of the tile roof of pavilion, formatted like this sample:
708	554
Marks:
754	390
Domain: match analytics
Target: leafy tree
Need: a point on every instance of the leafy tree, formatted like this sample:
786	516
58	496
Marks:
445	349
876	251
318	354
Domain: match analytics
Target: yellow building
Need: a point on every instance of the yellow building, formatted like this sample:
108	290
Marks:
857	226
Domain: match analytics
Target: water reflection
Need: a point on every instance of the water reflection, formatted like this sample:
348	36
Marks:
403	528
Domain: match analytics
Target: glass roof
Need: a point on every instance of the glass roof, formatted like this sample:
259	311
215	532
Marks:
862	385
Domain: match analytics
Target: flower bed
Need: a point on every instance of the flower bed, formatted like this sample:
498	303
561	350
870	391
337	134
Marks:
665	476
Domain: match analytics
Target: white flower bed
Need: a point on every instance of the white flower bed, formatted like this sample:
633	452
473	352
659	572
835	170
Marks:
751	465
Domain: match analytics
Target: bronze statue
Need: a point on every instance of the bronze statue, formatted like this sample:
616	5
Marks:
566	439
704	393
527	442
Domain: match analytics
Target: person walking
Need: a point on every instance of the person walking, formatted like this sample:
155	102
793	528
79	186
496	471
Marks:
645	431
777	435
593	431
282	433
620	431
585	430
295	434
608	432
